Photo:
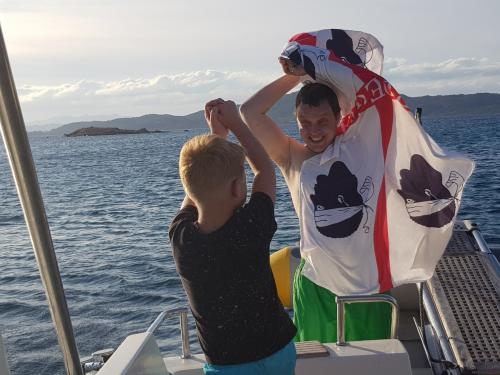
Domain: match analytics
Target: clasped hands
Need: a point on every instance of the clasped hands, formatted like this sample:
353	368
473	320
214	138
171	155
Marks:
222	116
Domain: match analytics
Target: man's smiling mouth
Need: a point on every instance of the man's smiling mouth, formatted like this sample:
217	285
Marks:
316	140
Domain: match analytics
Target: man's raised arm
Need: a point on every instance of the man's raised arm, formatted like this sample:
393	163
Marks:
262	166
254	113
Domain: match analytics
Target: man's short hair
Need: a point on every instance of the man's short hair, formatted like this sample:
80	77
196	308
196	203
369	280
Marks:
207	162
314	93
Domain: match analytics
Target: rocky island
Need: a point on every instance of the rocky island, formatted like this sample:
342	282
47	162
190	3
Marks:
92	131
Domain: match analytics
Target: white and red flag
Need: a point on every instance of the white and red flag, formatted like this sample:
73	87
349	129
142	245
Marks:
377	206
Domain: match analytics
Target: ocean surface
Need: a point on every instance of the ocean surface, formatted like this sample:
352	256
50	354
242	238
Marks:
109	201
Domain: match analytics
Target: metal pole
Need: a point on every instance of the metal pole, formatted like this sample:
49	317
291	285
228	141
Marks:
418	116
340	322
342	300
166	315
4	365
434	319
183	323
186	350
483	246
23	169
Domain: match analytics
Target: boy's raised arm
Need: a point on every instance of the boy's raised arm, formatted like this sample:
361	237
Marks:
215	128
254	113
265	179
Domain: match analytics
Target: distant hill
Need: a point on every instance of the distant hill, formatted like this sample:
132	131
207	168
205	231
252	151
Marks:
456	105
433	106
94	132
283	112
149	122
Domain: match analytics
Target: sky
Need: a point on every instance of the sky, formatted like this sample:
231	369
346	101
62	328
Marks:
100	59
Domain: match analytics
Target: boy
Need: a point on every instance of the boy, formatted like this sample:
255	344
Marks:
221	250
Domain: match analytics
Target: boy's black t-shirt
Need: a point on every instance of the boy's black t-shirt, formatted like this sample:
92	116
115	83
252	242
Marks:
229	283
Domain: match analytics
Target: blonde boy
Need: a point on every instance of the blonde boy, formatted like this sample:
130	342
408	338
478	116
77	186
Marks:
221	250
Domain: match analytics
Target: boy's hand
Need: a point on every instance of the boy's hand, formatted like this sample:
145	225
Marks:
229	115
212	118
289	67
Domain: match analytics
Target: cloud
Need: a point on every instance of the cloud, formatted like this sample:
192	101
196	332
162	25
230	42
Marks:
461	75
187	83
174	94
184	93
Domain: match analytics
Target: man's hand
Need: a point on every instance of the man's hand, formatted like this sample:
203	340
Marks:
212	118
289	67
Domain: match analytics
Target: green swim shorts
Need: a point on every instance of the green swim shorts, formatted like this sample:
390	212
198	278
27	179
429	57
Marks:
315	314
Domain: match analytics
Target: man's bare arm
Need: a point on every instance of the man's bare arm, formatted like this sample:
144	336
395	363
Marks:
265	178
254	113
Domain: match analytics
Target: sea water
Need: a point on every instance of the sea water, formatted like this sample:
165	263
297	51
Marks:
109	201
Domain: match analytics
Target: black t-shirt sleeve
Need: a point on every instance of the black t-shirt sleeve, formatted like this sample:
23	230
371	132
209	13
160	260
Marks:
259	214
186	215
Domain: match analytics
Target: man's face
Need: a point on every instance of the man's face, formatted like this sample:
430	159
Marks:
317	125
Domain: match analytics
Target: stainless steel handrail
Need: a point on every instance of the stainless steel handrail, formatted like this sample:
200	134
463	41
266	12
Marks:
435	321
483	246
182	313
23	169
342	300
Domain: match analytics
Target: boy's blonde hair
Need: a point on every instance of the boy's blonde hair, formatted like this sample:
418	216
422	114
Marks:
208	161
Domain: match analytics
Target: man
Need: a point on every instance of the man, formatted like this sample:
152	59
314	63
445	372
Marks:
318	114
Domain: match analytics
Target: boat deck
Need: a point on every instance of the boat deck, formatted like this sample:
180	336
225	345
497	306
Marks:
461	303
466	292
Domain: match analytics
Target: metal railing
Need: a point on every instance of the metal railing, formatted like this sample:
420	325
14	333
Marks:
167	314
483	246
21	162
343	300
437	326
